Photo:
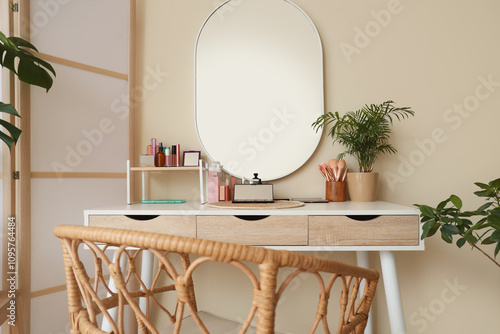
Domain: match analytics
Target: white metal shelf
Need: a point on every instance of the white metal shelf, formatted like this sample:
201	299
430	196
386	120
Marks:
202	169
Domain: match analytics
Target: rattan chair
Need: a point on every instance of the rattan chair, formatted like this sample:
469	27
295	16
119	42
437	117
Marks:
173	273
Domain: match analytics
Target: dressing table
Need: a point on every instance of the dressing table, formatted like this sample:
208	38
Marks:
259	68
319	227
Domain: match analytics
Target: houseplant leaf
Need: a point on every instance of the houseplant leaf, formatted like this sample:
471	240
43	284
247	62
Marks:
446	236
457	202
14	133
11	129
482	185
9	109
461	242
442	204
483	207
495	184
495	236
482	224
426	210
450	229
16	56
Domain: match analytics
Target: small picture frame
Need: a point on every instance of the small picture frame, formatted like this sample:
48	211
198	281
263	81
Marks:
191	158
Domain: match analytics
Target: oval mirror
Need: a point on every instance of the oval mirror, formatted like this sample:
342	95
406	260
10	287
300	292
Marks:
258	87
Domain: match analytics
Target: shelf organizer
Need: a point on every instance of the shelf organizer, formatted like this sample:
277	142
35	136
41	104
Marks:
202	169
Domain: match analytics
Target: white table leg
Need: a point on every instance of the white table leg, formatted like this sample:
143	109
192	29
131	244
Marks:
106	327
392	294
364	262
146	276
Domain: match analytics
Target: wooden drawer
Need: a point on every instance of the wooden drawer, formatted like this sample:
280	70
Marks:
382	230
174	225
254	230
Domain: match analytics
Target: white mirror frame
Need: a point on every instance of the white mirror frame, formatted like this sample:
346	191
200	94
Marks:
254	114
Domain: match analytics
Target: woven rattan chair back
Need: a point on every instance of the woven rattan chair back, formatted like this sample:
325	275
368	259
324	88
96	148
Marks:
90	299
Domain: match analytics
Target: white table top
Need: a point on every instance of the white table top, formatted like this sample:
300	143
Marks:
309	209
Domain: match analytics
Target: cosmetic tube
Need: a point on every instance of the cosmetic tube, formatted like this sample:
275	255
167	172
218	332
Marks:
173	155
222	194
227	195
178	157
153	145
167	156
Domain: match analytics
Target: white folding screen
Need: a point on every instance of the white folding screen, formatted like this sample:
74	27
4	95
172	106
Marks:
1	179
79	134
74	126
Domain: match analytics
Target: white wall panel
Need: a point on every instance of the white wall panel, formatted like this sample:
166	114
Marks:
93	32
81	124
56	202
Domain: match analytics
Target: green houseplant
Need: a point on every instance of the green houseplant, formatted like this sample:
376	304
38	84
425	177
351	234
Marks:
449	218
16	56
365	135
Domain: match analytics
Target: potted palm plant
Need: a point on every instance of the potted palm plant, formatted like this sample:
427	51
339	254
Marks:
365	134
16	55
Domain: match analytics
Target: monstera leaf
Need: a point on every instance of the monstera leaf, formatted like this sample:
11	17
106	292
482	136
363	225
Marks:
16	56
13	130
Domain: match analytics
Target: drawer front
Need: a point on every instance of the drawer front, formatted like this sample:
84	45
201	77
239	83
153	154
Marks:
174	225
382	230
253	230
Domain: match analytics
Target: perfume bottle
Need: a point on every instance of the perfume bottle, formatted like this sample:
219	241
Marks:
213	180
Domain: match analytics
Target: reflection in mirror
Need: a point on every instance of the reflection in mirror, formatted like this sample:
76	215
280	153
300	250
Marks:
258	87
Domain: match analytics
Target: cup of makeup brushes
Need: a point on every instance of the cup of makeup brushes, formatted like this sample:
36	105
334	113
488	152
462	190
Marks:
336	191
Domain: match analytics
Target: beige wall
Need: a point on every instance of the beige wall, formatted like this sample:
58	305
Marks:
436	57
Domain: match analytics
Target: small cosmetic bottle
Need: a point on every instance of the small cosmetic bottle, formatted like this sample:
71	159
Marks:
227	193
178	157
167	156
173	155
153	145
160	157
214	171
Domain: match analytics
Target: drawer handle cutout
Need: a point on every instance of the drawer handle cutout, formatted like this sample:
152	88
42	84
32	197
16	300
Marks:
251	218
142	217
362	218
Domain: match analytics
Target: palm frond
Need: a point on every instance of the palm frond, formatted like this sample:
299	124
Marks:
365	132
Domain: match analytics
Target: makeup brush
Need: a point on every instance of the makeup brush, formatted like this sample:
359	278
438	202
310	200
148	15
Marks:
333	163
322	172
345	174
328	172
341	165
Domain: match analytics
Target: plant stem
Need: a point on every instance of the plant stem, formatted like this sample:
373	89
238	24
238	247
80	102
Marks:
479	249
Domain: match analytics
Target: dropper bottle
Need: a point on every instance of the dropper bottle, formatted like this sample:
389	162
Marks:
160	157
